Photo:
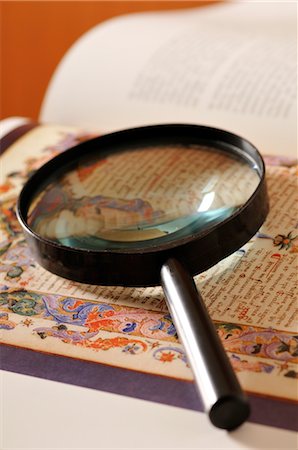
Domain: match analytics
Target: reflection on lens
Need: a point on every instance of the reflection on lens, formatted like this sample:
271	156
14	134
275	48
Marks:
153	194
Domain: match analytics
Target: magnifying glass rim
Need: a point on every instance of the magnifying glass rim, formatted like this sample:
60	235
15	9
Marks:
44	249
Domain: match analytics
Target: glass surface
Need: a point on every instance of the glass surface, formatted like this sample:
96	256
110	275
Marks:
141	197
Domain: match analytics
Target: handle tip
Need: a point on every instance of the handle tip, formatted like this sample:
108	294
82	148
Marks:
229	412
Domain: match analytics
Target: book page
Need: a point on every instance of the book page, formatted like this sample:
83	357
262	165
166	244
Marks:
251	295
231	66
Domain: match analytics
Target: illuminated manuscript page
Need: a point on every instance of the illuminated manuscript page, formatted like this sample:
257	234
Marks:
250	295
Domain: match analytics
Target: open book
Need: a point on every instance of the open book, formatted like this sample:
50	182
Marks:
230	66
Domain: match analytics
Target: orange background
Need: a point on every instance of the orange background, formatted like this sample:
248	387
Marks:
36	34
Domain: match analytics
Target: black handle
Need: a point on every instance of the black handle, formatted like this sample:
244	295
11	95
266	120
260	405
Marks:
223	398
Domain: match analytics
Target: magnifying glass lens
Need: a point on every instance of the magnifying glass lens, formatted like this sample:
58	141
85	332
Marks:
142	196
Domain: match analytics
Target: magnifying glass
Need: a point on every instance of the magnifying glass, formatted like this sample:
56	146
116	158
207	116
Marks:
149	206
